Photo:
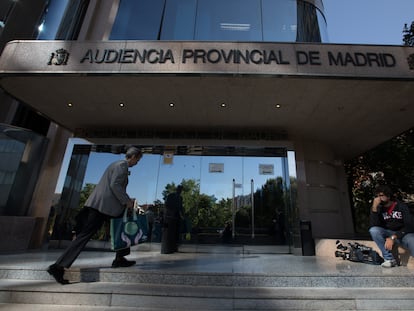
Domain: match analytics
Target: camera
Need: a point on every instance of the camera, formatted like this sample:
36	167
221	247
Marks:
343	251
358	253
340	246
343	255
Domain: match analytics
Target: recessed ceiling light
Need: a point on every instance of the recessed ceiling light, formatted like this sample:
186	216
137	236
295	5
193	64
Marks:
223	105
278	106
121	105
70	105
171	105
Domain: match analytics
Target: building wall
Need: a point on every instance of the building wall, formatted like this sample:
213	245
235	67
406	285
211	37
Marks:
27	230
322	194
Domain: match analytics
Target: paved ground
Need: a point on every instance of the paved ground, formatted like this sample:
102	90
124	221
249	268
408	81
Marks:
209	259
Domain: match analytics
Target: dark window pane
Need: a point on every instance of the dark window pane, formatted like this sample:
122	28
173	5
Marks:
179	20
279	20
308	25
72	20
138	20
322	26
62	19
231	20
6	6
51	19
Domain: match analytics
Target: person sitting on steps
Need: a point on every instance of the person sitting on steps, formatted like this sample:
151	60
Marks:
390	224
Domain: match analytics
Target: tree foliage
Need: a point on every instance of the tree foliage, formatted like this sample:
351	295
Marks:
206	211
408	35
390	163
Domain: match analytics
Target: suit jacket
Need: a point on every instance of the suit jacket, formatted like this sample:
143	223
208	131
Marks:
174	206
109	196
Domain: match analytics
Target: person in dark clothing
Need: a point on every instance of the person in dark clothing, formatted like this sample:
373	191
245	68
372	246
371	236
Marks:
109	199
227	233
171	224
390	223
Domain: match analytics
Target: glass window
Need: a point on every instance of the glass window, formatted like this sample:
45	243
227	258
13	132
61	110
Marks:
6	8
322	26
218	173
179	20
231	20
62	19
138	20
219	20
279	20
51	19
308	25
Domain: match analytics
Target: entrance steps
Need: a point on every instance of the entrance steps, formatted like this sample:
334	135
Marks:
215	280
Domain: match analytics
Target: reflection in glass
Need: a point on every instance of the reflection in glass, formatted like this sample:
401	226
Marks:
279	20
308	24
138	20
219	20
62	19
247	189
179	20
51	20
231	20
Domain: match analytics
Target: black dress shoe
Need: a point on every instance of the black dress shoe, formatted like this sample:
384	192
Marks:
122	262
57	272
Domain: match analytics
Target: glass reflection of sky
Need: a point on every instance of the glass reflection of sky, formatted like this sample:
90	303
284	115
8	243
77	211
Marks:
149	178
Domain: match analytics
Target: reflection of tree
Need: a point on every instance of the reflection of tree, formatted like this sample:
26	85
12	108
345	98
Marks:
65	232
269	203
205	211
201	209
85	193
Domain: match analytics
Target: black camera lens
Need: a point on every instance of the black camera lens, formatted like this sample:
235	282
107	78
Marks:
340	246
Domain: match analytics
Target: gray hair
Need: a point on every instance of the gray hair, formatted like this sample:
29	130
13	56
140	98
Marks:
133	151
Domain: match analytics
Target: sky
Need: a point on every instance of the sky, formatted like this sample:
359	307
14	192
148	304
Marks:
378	22
368	21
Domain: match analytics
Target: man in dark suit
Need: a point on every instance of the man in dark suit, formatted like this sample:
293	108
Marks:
109	199
172	217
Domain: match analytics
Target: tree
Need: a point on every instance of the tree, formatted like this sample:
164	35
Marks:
408	35
390	163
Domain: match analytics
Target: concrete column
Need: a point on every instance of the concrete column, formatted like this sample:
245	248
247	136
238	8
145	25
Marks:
323	196
44	194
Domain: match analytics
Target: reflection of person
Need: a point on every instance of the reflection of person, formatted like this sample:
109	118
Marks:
108	199
150	218
172	217
227	233
391	223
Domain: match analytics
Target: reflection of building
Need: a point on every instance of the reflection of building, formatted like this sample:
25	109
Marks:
192	73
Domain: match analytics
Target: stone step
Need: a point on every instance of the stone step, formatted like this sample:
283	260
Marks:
115	296
374	277
222	279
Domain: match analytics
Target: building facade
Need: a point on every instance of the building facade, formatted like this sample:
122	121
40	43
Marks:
237	96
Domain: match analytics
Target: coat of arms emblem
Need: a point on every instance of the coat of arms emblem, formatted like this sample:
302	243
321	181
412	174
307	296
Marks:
59	57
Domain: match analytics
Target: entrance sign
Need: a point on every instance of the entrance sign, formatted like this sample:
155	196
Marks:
266	169
216	167
123	57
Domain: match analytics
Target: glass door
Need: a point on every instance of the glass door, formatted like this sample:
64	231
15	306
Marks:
231	195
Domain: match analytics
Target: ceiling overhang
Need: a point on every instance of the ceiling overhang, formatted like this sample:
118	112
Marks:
110	92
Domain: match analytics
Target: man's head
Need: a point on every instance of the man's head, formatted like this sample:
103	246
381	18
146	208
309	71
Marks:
133	155
384	192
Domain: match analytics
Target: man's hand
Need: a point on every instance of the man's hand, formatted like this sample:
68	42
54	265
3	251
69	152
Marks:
130	204
375	203
389	243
